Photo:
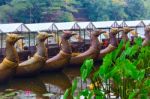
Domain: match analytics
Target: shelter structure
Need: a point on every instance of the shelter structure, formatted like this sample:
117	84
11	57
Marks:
65	26
121	24
18	28
85	26
40	27
43	27
62	26
146	22
84	31
105	25
138	25
1	42
12	28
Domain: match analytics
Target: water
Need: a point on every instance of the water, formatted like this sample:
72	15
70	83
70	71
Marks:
50	85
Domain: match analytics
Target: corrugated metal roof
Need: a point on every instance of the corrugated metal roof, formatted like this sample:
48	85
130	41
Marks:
67	25
105	24
35	27
146	22
134	23
13	27
86	25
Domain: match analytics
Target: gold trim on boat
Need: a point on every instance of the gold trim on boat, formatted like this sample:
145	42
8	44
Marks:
39	58
64	53
8	64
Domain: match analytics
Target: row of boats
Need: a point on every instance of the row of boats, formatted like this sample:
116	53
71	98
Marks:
11	66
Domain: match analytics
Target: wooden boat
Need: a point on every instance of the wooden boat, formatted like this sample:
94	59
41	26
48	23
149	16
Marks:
112	43
35	63
125	32
92	52
10	62
63	57
146	41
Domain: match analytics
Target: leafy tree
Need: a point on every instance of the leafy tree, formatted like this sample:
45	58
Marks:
65	10
135	9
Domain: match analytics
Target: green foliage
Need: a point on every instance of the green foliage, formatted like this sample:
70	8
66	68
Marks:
86	69
65	17
125	73
74	86
116	9
37	10
68	10
66	94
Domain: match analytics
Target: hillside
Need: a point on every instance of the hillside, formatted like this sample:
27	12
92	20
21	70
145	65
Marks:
72	10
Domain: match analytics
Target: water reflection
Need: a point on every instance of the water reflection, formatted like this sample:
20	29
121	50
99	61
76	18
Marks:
56	83
52	85
27	87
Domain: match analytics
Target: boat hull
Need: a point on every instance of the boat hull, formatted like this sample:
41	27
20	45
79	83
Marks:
31	67
57	62
7	70
89	54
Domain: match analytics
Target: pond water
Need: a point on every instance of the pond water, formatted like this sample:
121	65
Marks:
50	85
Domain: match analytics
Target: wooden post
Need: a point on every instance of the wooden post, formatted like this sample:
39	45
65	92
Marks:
29	39
1	42
84	40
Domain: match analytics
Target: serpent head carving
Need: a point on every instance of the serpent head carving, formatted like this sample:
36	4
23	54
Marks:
13	38
42	36
147	32
126	30
115	31
96	33
67	34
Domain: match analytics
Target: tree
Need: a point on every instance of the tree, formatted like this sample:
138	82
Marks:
135	9
116	10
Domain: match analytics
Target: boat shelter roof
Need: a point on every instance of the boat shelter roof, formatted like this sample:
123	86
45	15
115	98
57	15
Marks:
146	22
13	27
36	27
121	23
105	24
86	25
67	26
137	23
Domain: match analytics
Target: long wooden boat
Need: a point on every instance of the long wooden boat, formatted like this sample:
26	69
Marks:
63	57
113	40
10	62
35	63
92	52
146	41
112	43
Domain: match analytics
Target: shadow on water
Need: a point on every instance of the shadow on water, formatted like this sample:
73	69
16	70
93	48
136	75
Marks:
21	88
56	83
44	86
50	85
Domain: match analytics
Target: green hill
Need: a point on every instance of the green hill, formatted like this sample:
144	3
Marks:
72	10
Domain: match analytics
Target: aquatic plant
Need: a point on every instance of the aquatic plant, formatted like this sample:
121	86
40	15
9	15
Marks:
124	74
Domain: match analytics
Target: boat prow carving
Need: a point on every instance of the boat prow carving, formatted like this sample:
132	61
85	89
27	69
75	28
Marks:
92	52
10	62
112	43
35	63
63	57
146	41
